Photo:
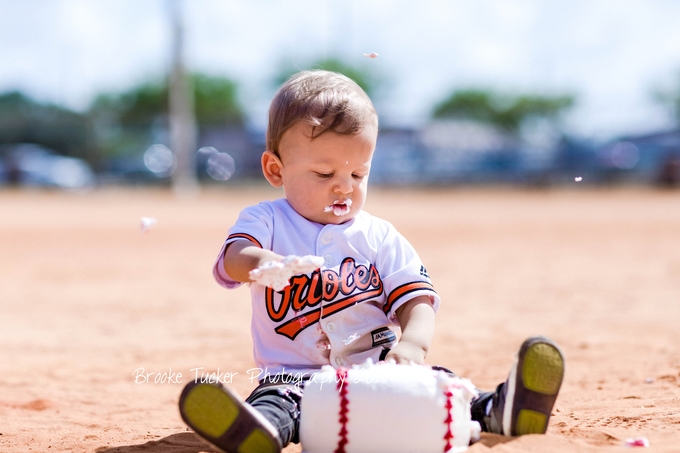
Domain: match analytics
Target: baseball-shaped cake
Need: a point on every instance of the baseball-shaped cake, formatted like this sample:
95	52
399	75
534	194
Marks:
385	407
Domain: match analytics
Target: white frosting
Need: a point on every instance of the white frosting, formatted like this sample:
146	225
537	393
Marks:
147	223
636	442
276	274
339	208
391	408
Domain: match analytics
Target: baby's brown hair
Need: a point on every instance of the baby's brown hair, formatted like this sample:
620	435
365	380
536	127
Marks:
325	100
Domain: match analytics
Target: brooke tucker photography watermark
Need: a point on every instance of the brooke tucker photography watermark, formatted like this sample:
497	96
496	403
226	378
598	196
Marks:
200	375
142	376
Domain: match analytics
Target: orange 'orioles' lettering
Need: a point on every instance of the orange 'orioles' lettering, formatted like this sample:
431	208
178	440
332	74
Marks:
308	291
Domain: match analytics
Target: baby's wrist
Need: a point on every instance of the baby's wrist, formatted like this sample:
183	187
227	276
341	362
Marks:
416	344
407	352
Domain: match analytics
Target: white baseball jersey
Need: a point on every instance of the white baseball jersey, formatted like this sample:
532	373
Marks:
341	314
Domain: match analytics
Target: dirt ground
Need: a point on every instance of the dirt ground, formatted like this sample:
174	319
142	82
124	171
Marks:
89	306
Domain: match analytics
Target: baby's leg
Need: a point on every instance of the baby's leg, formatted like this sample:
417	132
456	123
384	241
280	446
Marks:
221	418
280	404
523	403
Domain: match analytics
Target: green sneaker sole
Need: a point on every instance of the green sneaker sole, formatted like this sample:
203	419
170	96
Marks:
530	422
209	410
257	442
543	369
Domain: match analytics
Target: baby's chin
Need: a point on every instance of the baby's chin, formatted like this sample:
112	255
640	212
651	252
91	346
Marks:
332	219
329	218
337	220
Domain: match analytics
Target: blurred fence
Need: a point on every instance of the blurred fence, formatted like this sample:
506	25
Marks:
440	153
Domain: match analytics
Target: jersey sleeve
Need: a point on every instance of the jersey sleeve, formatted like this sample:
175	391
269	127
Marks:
254	224
403	273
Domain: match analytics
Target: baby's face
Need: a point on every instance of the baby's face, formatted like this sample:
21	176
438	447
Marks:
325	179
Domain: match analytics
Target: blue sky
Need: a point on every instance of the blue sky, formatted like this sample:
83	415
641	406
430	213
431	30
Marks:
610	53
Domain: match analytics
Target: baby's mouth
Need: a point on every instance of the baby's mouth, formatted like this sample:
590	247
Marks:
339	208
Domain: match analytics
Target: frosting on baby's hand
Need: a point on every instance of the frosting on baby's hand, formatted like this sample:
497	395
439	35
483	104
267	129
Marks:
276	274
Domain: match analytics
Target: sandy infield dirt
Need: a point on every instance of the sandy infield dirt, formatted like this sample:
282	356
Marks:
88	302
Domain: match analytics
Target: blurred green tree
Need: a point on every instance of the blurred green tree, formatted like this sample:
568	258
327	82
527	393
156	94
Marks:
215	102
24	120
125	122
362	75
669	96
505	111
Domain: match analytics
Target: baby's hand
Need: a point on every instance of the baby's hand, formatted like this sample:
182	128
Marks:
406	353
276	274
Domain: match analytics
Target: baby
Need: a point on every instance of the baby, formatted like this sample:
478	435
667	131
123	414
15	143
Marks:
331	284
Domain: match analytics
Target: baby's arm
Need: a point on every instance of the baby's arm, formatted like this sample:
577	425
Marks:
242	257
417	326
254	264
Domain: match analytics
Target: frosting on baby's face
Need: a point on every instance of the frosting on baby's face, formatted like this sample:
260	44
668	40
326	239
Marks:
339	207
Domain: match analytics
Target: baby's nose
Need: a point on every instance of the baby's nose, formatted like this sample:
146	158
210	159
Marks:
343	186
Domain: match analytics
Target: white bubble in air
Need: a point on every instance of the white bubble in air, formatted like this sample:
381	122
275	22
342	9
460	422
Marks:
160	160
221	166
206	153
625	155
71	173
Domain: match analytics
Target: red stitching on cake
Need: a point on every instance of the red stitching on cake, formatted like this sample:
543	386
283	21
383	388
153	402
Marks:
448	437
341	385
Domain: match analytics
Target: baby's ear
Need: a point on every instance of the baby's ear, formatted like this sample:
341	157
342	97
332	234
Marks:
271	168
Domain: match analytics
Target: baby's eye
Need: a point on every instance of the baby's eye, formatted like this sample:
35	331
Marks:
324	175
355	176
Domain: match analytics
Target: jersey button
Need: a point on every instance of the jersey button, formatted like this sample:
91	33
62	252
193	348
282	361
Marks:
330	327
326	239
328	258
339	361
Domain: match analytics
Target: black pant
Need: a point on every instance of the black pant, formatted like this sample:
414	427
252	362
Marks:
279	402
278	399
